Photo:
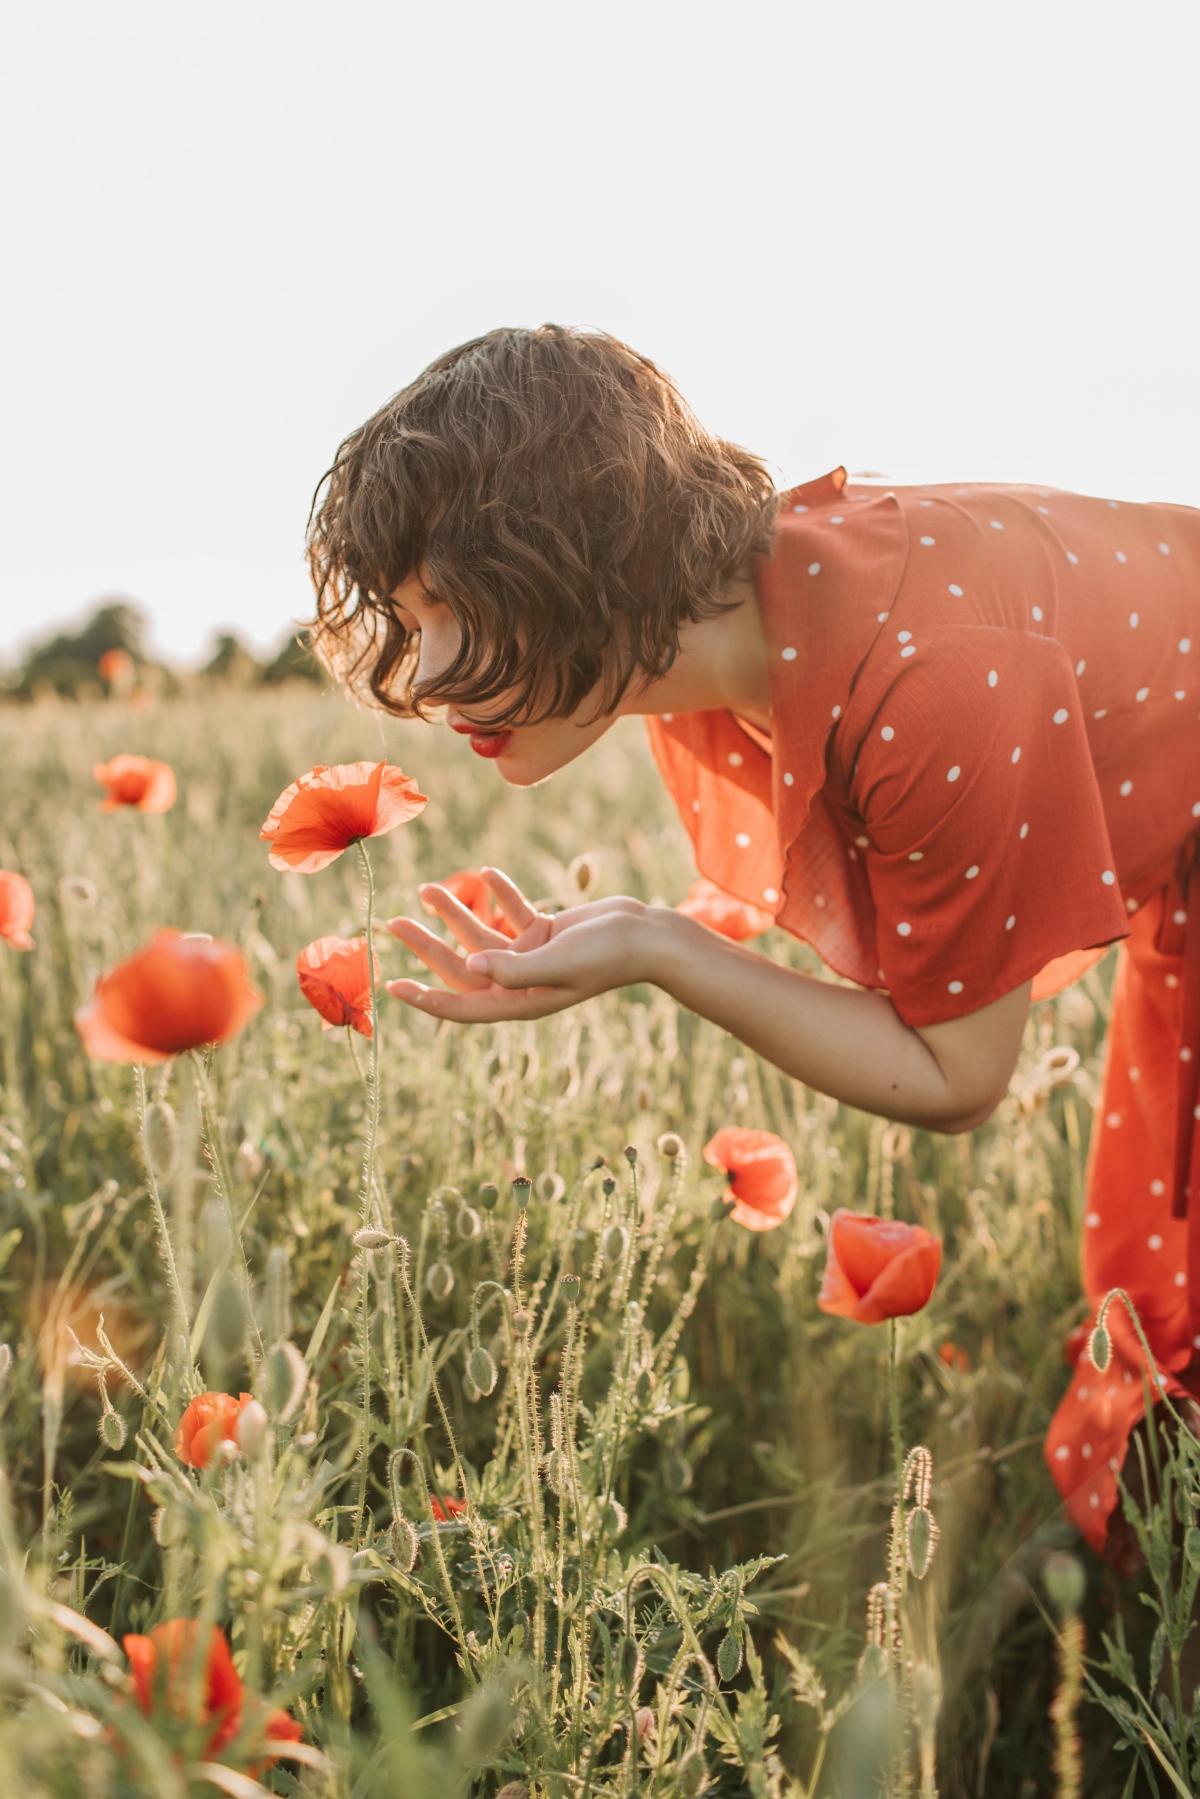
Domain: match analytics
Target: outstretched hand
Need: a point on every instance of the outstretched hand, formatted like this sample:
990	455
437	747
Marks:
552	962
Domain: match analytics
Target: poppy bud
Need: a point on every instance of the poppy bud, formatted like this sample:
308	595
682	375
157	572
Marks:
369	1239
609	1186
690	1776
405	1544
489	1193
521	1188
439	1280
286	1379
160	1140
112	1427
1099	1348
468	1224
729	1656
252	1430
614	1242
1065	1582
484	1722
521	1322
481	1371
630	1154
670	1145
677	1472
569	1288
630	1663
168	1526
921	1536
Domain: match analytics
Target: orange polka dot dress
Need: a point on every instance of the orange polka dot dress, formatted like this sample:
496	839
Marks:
984	768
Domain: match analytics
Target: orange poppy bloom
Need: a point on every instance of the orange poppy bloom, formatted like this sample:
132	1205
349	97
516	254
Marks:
178	993
210	1419
335	978
319	816
136	781
762	1175
16	909
472	891
722	913
117	668
878	1268
955	1356
445	1509
161	1668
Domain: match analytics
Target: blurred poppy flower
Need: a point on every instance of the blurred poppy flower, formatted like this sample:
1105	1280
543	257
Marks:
955	1357
178	993
446	1509
472	891
319	816
762	1175
878	1268
162	1669
136	781
722	913
210	1419
16	909
117	670
335	978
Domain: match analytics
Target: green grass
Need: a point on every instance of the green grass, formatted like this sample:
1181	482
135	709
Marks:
768	1433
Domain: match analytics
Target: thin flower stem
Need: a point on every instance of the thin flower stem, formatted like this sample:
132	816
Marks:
212	1140
368	1185
160	1217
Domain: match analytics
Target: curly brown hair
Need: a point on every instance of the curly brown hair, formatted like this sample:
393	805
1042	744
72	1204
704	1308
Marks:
556	492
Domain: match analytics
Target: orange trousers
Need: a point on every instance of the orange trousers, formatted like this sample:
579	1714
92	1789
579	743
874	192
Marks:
1142	1210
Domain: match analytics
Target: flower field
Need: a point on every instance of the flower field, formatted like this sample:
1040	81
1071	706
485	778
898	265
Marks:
473	1431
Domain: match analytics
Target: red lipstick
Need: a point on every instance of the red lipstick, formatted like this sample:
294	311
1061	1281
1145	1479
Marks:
485	743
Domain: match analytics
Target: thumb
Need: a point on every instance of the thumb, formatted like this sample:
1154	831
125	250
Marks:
508	968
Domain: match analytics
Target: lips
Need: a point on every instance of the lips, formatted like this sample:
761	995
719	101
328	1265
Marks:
485	743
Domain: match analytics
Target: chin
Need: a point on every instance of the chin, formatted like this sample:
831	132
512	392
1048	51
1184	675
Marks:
515	772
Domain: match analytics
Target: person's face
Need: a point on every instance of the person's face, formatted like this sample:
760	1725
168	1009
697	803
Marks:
523	754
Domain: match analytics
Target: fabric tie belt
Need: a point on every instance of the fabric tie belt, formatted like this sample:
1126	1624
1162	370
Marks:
1179	937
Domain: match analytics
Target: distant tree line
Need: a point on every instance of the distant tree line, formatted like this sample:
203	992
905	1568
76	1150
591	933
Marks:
107	656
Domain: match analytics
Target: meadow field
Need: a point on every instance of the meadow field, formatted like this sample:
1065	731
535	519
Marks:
679	1469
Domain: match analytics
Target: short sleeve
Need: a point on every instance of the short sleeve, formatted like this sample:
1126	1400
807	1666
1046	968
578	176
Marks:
987	850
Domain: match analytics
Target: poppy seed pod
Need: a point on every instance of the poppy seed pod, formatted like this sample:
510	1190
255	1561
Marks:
439	1281
160	1139
569	1288
521	1189
608	1186
489	1193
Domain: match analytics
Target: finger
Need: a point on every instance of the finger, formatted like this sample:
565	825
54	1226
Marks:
512	902
490	1007
436	955
516	969
471	932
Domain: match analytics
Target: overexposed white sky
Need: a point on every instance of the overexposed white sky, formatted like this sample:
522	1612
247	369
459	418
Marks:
939	240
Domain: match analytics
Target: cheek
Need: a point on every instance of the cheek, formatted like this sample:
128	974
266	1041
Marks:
440	639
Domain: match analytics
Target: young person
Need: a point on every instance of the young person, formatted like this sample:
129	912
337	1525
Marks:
949	736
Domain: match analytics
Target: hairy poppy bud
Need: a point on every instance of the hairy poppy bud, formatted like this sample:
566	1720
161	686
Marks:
439	1280
630	1663
371	1239
252	1430
1065	1582
729	1656
690	1776
921	1535
405	1544
112	1427
614	1243
468	1224
569	1288
286	1379
1099	1348
160	1140
481	1371
168	1526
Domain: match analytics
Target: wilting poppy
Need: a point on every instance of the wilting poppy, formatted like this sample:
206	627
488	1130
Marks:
762	1175
878	1268
446	1509
136	781
472	891
721	912
328	809
16	909
335	978
178	993
210	1419
161	1666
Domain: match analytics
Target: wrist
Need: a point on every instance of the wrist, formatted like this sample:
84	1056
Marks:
666	941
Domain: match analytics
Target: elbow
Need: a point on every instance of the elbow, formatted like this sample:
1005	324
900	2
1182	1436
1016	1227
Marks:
965	1117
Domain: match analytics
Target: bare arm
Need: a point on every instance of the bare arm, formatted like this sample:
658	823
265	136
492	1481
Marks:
843	1041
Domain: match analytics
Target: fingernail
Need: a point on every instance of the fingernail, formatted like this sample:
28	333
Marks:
478	963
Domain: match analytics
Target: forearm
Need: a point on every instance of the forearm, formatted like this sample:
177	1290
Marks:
847	1042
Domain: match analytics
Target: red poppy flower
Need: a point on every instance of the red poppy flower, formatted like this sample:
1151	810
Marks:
178	993
328	809
955	1356
472	891
118	669
445	1509
722	913
210	1419
878	1268
136	781
762	1175
335	978
161	1666
16	909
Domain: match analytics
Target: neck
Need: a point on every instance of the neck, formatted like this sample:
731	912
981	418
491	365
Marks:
721	665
